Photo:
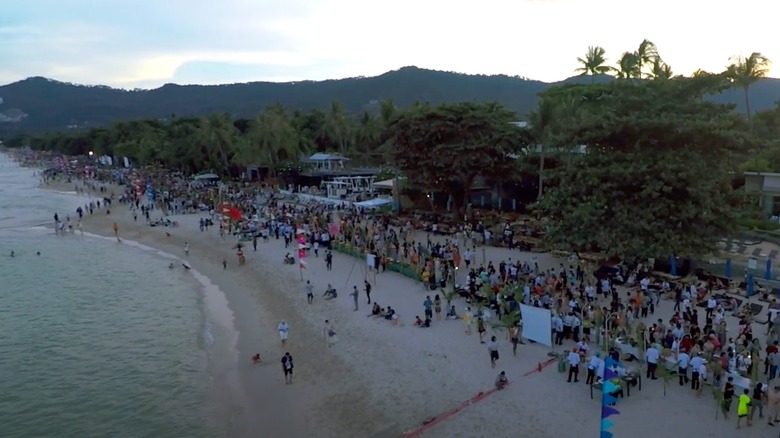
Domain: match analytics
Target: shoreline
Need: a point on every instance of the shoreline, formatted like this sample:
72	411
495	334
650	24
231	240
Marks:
404	374
264	401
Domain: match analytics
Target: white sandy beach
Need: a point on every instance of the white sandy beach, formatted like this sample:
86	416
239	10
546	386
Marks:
381	380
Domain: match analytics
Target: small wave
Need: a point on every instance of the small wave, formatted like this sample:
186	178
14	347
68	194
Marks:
36	228
208	337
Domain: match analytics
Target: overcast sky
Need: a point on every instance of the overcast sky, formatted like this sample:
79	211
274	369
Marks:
147	43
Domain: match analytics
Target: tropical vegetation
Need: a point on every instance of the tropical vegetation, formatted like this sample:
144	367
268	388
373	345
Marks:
640	166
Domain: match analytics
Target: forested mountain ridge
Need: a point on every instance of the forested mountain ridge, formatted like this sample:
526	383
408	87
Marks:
50	105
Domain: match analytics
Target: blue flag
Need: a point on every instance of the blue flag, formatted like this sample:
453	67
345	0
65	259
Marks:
611	367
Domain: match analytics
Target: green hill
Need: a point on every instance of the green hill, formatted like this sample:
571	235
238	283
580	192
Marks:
49	105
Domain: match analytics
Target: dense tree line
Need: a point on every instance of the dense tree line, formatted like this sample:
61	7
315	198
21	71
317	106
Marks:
639	166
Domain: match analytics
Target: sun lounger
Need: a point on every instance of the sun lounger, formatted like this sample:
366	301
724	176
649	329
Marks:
773	253
741	249
756	252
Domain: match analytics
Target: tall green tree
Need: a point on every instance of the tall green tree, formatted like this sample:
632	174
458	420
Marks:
542	126
368	138
446	147
745	71
217	138
646	55
655	181
628	66
339	126
594	63
271	140
660	70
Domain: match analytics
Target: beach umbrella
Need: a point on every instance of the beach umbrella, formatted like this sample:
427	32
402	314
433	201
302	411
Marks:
673	266
768	272
728	269
750	285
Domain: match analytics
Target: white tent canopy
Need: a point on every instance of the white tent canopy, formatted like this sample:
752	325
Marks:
388	183
206	176
373	203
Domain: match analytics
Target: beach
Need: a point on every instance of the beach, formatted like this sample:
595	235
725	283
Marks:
382	380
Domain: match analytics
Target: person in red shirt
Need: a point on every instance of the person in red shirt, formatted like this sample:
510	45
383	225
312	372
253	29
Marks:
771	348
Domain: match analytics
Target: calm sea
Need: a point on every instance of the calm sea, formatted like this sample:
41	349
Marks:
97	339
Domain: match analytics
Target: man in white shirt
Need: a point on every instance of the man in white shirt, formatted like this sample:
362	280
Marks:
683	361
283	329
589	293
593	366
574	365
712	303
702	378
651	356
644	283
687	305
696	363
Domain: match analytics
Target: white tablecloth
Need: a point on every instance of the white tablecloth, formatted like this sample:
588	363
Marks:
627	348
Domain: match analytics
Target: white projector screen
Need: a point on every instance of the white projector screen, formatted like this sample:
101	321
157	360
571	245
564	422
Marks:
537	324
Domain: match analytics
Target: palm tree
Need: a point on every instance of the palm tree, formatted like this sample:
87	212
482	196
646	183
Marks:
218	137
368	137
387	111
646	54
628	66
339	127
594	63
542	122
744	71
699	73
271	140
660	70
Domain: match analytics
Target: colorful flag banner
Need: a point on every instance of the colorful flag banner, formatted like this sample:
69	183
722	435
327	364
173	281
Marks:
610	385
301	248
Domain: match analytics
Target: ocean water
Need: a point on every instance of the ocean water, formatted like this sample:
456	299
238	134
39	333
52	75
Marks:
97	338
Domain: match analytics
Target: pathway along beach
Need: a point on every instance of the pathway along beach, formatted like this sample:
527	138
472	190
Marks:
382	380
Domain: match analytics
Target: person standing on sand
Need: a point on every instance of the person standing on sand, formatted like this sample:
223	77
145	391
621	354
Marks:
481	329
283	329
493	349
514	336
186	248
743	408
428	307
574	365
330	333
773	403
354	296
310	292
728	396
368	291
437	307
467	320
116	229
329	261
287	367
